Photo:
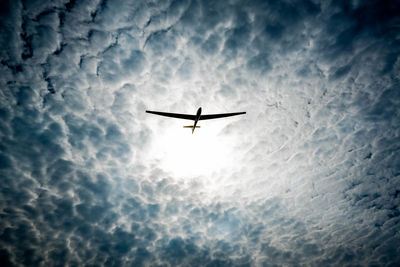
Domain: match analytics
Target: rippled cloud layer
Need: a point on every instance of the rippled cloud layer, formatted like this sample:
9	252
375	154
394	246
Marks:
310	176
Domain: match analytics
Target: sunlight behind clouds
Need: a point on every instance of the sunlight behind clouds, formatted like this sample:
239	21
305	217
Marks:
187	155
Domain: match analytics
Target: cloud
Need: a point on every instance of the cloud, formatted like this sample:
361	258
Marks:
309	176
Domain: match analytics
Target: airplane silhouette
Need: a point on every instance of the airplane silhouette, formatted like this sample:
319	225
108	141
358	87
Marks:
196	117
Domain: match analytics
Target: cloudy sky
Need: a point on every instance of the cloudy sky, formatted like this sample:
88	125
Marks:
309	176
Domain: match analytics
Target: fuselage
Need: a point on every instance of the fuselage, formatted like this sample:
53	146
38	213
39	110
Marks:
198	115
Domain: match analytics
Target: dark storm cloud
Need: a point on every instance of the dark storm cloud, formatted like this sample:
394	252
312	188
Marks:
73	90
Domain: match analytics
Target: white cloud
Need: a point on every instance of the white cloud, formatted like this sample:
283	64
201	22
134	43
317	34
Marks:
308	176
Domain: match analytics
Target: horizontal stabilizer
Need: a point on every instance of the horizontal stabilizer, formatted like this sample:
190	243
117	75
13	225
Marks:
190	126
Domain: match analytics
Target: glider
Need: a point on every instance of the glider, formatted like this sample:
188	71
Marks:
195	118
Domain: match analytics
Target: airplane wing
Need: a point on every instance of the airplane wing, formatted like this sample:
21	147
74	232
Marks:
221	115
173	115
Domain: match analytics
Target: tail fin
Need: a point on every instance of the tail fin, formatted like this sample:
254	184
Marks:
190	126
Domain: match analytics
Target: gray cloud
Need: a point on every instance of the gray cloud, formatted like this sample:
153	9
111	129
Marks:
310	175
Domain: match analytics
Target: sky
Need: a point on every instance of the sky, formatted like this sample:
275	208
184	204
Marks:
310	176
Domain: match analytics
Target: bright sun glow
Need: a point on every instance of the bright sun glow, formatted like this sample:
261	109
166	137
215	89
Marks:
185	155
